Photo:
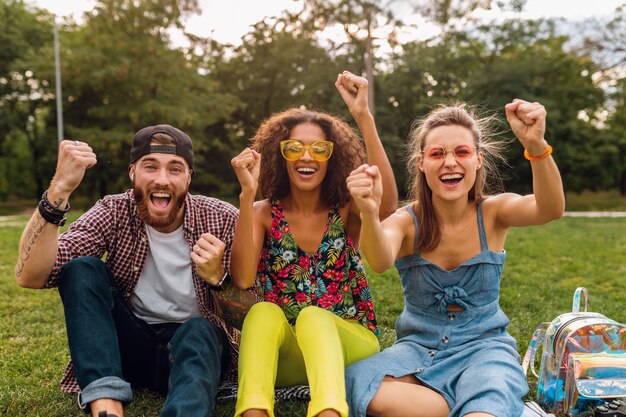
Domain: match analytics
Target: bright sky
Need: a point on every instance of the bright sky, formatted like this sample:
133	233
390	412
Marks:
228	21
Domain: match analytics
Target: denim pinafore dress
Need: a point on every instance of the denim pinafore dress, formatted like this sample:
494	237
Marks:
468	356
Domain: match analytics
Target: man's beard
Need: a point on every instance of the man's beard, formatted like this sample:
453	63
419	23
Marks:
142	198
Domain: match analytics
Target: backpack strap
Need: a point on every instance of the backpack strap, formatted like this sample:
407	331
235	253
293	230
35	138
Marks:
531	352
576	301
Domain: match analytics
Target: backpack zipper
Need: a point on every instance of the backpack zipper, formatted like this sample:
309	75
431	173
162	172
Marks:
570	321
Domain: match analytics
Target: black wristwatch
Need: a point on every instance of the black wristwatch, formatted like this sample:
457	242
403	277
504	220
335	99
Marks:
220	285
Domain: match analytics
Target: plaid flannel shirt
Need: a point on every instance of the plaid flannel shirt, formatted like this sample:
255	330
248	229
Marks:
112	227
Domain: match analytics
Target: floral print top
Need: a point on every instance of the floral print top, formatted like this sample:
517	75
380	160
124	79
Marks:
332	278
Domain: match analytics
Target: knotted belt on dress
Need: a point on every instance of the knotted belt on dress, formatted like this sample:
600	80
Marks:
451	299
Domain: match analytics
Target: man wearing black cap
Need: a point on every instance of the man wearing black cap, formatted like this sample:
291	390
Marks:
149	316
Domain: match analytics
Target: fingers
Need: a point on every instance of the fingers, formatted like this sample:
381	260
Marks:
207	255
75	144
527	121
357	173
352	83
511	107
535	114
361	181
339	82
74	158
247	166
207	242
247	159
208	247
78	151
371	170
525	111
365	187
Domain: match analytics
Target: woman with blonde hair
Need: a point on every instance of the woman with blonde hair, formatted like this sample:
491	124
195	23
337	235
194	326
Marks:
453	355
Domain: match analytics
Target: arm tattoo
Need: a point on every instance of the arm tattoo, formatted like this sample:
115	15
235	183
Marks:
31	235
58	203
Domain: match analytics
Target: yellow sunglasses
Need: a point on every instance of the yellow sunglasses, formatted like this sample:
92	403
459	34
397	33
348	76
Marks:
293	150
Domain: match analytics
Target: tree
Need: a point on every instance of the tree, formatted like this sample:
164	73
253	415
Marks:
616	133
360	21
25	99
605	41
273	69
490	66
530	61
121	74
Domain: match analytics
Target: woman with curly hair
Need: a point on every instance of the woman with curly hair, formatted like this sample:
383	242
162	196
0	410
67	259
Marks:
453	355
300	245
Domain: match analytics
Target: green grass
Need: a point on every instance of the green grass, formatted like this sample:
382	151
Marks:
596	201
544	266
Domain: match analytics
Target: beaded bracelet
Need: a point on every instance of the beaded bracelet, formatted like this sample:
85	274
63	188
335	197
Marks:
51	208
544	155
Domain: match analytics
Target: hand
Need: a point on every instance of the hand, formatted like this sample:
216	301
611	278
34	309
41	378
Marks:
207	254
528	122
247	166
366	188
353	90
74	159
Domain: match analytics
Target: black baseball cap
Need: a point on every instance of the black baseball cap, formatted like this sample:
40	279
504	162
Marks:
142	147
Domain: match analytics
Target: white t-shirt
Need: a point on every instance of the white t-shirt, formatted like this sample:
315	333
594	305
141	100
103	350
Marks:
165	291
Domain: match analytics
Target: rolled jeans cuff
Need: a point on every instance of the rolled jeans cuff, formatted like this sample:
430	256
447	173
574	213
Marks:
111	387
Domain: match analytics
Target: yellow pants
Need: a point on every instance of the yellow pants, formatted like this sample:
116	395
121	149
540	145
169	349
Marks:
315	351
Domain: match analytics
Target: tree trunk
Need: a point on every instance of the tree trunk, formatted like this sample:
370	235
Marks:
622	183
32	136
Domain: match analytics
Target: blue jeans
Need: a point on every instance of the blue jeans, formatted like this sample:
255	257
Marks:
112	349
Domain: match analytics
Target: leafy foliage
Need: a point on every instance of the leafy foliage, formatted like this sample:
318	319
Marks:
121	73
26	141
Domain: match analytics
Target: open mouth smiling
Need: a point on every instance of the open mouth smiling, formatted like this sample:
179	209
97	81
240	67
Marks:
160	199
451	179
306	171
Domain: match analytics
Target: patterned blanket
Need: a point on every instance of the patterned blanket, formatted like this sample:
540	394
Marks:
228	392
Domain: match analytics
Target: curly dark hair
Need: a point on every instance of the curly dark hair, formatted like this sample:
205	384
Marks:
348	153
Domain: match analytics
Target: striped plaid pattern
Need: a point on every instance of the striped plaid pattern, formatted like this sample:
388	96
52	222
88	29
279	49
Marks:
227	392
112	228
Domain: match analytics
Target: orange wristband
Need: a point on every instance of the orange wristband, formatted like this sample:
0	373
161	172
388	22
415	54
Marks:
544	155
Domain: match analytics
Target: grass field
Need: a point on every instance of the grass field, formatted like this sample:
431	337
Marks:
544	266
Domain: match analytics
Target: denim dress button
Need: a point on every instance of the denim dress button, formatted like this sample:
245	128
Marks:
451	316
444	339
431	353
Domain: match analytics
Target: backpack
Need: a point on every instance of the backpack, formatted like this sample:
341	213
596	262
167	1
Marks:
583	360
